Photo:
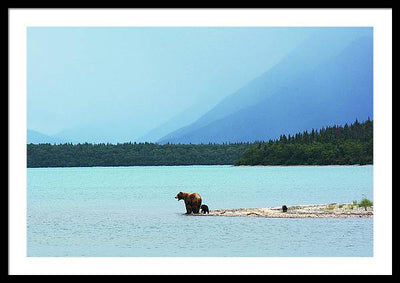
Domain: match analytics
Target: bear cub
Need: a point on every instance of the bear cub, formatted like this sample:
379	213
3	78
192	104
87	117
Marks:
204	209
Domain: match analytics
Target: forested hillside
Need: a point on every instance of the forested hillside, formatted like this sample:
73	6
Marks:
335	145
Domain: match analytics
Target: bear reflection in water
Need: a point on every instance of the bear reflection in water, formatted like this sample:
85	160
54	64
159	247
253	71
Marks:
192	201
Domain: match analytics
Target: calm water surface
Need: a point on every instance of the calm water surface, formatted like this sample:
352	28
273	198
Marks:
131	211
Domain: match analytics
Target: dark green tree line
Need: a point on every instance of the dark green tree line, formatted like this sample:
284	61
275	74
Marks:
335	145
132	154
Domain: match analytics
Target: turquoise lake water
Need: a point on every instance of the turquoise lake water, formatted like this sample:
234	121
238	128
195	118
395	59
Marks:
131	211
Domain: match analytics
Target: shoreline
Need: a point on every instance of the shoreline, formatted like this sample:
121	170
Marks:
304	165
198	165
334	210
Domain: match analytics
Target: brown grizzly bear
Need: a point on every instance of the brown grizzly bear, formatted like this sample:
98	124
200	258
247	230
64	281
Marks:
192	201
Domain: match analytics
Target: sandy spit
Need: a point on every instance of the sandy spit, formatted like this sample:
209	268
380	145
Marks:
334	210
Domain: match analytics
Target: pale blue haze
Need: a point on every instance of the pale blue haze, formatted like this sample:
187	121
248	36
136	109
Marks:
131	211
324	81
120	84
123	81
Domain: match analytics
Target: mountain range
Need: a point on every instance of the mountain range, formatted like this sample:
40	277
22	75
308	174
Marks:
324	81
320	83
36	137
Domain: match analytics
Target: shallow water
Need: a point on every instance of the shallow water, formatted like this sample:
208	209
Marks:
131	211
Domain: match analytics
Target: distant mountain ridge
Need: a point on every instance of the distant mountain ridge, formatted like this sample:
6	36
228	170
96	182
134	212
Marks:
312	87
36	137
178	121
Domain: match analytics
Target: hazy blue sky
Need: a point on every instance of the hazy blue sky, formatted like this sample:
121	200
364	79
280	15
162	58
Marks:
122	82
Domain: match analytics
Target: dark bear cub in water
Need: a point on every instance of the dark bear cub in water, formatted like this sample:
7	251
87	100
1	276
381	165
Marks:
204	209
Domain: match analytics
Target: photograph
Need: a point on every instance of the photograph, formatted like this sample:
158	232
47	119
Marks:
170	141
